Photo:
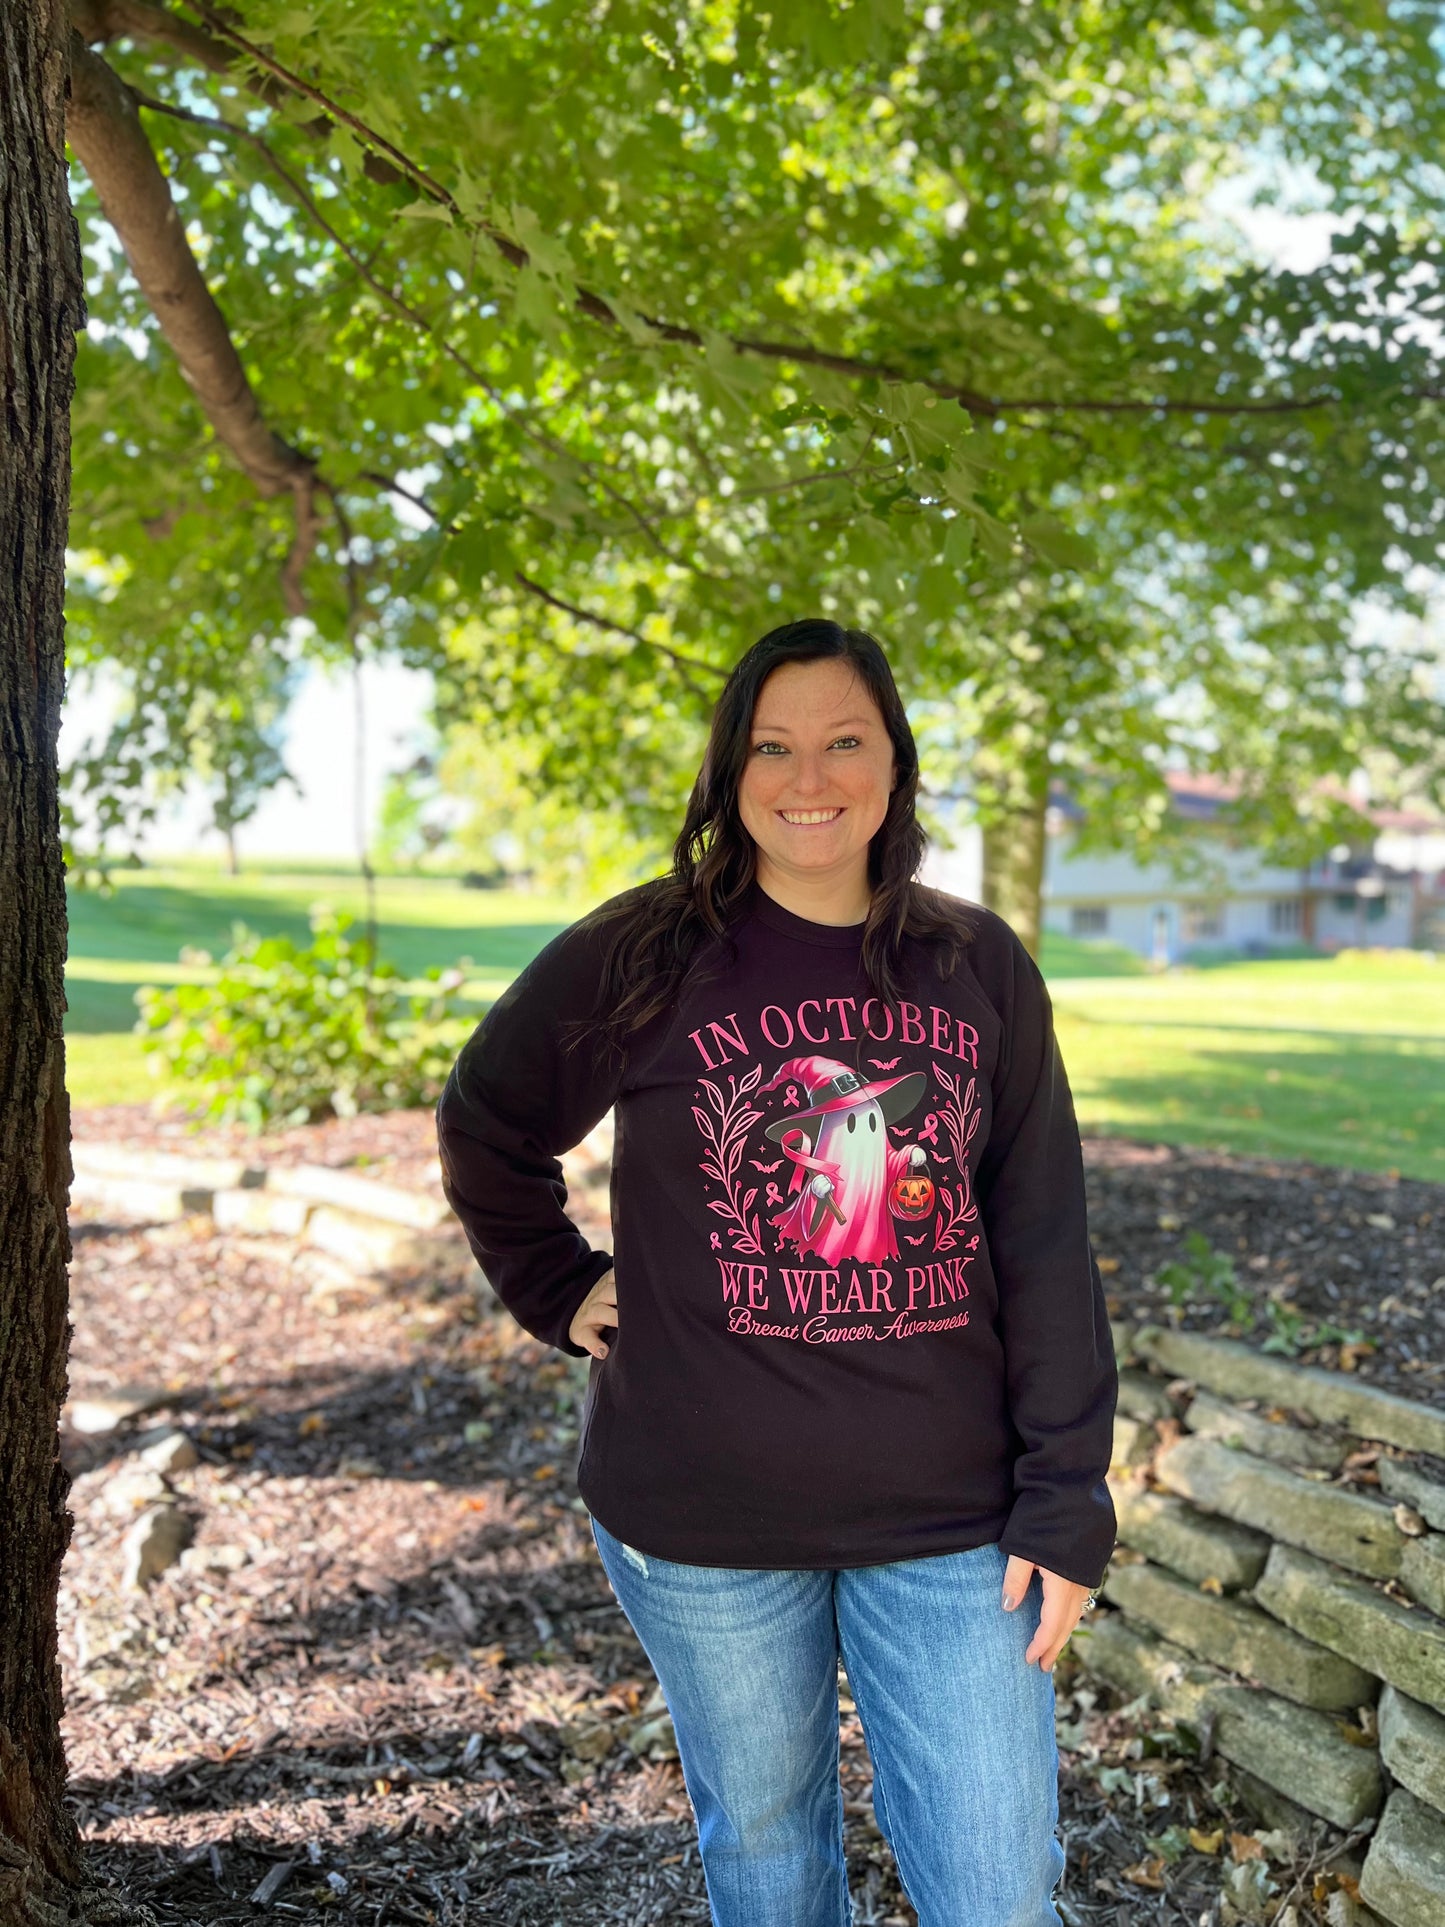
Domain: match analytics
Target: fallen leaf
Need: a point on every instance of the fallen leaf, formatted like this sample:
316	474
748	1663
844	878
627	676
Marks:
1145	1873
1246	1846
1206	1842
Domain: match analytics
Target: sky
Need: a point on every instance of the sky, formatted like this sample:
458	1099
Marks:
317	819
320	752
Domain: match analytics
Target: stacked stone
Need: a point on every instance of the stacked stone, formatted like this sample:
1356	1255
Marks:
1302	1620
369	1227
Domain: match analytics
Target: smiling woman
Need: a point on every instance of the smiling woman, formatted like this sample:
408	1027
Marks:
815	788
852	1385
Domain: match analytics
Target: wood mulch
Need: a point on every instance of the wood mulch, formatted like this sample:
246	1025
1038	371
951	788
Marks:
392	1684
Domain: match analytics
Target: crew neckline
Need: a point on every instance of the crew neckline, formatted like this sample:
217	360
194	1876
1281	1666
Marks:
835	936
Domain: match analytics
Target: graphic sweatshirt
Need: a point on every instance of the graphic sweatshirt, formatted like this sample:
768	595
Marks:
858	1315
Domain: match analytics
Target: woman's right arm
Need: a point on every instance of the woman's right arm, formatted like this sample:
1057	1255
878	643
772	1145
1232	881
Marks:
522	1091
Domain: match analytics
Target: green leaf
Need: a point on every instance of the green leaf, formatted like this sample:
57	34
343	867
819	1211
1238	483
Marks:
479	551
1062	546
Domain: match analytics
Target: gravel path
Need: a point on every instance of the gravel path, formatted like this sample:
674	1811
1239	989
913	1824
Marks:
392	1665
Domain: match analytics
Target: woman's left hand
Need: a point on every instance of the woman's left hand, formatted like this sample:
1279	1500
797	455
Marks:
1064	1604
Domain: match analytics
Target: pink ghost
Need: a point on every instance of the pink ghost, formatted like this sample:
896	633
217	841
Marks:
843	1164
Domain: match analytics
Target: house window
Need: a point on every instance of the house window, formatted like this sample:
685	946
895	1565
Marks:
1089	919
1203	921
1284	917
1345	902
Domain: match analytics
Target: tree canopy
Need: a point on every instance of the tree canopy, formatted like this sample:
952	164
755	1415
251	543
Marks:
562	350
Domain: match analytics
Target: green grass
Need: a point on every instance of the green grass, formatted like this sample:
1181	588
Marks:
1338	1060
135	936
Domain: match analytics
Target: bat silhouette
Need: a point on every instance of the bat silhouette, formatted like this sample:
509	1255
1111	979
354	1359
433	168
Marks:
914	1241
879	1064
765	1167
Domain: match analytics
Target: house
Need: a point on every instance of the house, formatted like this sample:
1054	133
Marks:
1388	893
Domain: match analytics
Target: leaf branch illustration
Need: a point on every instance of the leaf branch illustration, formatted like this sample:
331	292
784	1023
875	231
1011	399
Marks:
725	1126
960	1115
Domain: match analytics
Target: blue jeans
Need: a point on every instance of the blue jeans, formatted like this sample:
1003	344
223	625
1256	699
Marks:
960	1729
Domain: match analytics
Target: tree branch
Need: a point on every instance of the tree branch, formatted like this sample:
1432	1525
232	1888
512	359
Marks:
572	609
103	127
425	324
598	308
100	21
605	623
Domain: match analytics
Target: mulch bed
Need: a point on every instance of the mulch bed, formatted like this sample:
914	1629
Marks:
413	1690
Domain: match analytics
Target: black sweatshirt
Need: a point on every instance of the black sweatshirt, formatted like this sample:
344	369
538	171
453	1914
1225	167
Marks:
859	1317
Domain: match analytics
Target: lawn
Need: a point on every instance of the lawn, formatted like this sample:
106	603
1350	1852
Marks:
1338	1060
135	936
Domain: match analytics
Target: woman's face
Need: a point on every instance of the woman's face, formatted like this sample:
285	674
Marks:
819	772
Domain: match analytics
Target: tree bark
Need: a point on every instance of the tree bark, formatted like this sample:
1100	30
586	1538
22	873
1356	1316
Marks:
1013	844
41	309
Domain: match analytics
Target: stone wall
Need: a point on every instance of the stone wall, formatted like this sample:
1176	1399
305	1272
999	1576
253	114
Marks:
1279	1582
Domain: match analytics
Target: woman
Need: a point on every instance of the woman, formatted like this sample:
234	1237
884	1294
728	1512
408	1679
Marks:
852	1384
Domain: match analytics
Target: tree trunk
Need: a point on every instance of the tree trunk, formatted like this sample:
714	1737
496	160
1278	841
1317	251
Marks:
1013	842
41	308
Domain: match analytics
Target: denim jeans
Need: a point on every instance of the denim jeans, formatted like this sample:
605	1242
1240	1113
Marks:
960	1729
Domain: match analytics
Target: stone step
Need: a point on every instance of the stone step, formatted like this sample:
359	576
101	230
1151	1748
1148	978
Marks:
1412	1745
1239	1636
100	1159
1142	1664
367	1244
1422	1571
366	1197
1338	1525
1237	1370
1401	1480
1299	1751
262	1212
136	1200
1404	1872
105	1412
1302	1752
1402	1644
1143	1396
1194	1544
1133	1443
1266	1438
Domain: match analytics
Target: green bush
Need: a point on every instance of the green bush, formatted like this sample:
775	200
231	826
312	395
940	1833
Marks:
288	1035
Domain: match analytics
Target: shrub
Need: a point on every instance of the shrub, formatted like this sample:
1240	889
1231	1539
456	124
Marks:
288	1035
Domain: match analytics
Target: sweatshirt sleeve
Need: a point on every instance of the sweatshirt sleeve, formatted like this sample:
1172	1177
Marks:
522	1091
1059	1361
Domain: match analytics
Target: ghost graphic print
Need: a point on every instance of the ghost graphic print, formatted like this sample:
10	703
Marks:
843	1167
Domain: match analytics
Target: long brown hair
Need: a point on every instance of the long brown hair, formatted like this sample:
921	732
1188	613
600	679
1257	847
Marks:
659	929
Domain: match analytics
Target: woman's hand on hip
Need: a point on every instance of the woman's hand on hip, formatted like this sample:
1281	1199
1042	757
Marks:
1064	1604
597	1311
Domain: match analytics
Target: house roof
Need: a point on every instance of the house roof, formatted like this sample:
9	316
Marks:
1200	796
